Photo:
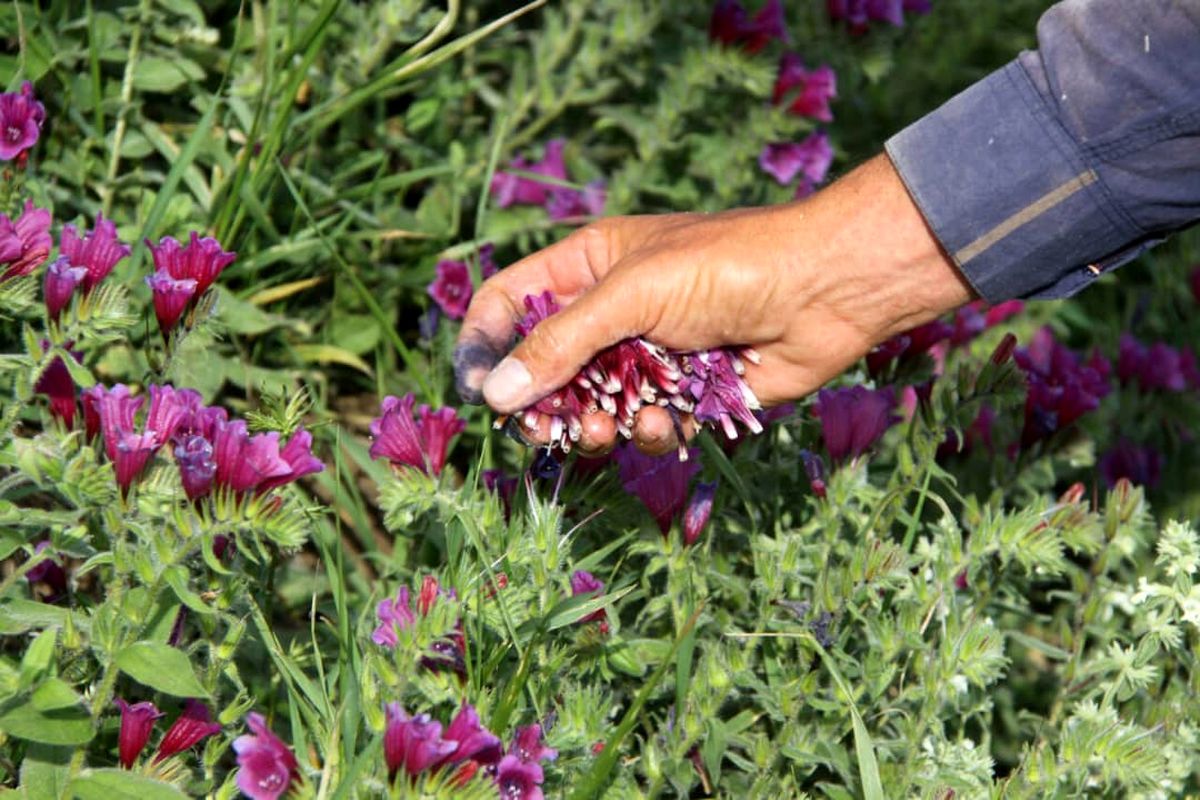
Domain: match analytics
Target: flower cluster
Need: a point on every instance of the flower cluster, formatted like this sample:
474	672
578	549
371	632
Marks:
1156	367
193	725
1062	388
421	440
561	202
805	92
853	419
24	242
452	288
418	744
182	274
633	373
731	24
858	14
396	614
21	118
809	158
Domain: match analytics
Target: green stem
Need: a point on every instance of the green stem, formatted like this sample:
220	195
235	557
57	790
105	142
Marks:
114	159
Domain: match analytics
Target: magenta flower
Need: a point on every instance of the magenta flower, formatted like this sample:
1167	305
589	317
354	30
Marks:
487	262
297	453
137	721
413	744
660	482
1061	388
519	780
127	449
563	202
394	614
510	189
452	289
21	118
859	13
814	470
244	461
267	766
422	441
24	244
805	92
190	728
49	572
1157	367
171	299
585	583
853	419
698	510
60	282
811	158
713	379
56	383
906	347
200	260
731	25
194	457
472	740
1140	464
98	251
134	451
529	747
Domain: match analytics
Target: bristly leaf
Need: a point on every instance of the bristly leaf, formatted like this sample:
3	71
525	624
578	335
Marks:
282	411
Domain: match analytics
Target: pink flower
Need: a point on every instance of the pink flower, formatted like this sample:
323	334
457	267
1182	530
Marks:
200	260
804	92
171	298
472	740
585	583
1061	387
452	289
21	118
297	453
127	449
519	780
267	766
394	614
137	721
244	461
26	243
699	509
785	160
98	251
511	189
413	744
853	419
422	441
563	202
59	284
730	25
660	482
487	262
56	383
529	747
814	470
189	729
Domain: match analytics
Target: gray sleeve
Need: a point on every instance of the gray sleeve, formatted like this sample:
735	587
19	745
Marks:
1073	158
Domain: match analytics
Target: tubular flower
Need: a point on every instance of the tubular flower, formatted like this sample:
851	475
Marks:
529	747
805	92
200	260
699	509
98	251
452	288
510	189
1157	367
24	244
974	318
633	373
1140	464
194	456
472	740
422	441
809	158
519	780
413	744
660	482
267	766
853	419
563	202
137	721
59	284
585	583
487	261
190	728
49	572
56	383
814	470
731	25
114	409
171	299
1061	387
21	118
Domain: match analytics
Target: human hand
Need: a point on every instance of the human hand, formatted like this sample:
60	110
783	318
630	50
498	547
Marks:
811	286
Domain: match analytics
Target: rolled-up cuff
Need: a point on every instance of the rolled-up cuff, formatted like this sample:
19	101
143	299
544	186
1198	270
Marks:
1008	193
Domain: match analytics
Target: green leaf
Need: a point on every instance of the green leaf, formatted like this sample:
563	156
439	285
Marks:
120	784
573	609
64	726
38	657
45	772
160	667
864	748
54	693
156	74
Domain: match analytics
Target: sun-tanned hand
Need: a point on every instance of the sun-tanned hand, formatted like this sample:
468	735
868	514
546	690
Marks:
811	285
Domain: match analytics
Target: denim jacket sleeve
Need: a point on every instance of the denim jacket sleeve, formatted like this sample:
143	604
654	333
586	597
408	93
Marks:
1073	158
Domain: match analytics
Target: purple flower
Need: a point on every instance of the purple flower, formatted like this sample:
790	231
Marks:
49	572
394	614
805	92
859	13
698	510
244	461
56	383
134	451
510	189
487	262
196	466
126	448
1061	388
98	251
137	721
267	766
422	441
811	157
452	289
519	780
853	419
413	744
563	202
731	25
171	299
908	346
1140	464
585	583
60	282
814	470
297	453
190	728
472	740
1157	367
529	747
26	243
713	379
660	482
21	118
200	260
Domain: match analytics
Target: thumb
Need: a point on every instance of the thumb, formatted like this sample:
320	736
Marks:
554	351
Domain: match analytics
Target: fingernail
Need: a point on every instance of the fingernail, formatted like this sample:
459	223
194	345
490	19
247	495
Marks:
472	363
508	386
